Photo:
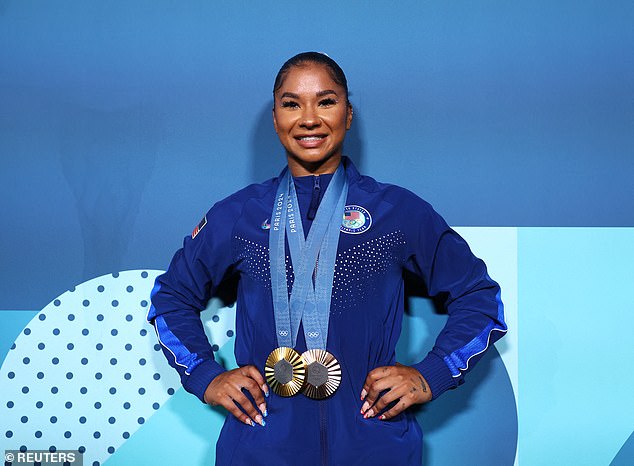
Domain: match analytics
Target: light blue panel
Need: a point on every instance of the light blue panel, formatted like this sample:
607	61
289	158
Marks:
575	323
11	324
192	429
481	413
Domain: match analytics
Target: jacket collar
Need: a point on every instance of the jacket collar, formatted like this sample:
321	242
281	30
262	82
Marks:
351	171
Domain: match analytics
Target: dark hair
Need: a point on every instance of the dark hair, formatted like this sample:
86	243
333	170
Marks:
304	58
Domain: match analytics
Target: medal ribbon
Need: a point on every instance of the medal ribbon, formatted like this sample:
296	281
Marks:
313	258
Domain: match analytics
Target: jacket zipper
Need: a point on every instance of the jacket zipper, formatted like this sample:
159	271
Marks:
314	200
323	433
323	419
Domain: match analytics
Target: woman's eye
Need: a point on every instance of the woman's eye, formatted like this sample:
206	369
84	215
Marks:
289	104
327	102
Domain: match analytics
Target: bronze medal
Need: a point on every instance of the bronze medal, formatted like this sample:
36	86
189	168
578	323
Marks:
285	371
323	374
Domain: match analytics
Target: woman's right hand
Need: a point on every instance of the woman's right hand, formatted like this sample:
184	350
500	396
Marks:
226	390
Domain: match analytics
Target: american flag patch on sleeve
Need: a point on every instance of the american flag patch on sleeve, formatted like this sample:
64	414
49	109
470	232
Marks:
199	227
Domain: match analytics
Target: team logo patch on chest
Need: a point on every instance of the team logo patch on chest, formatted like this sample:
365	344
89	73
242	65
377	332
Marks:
356	220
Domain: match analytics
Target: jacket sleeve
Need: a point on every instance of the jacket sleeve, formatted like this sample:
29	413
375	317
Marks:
444	261
182	293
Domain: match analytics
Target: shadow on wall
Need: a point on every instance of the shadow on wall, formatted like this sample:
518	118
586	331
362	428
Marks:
92	142
480	413
626	454
267	154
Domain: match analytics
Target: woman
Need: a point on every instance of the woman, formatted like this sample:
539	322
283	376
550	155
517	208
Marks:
320	253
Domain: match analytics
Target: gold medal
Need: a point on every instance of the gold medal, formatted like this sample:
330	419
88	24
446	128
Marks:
285	371
323	374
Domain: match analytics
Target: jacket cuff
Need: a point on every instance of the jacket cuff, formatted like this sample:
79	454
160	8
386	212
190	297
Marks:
201	377
437	375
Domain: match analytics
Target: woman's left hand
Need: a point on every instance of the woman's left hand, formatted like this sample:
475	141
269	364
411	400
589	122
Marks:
404	384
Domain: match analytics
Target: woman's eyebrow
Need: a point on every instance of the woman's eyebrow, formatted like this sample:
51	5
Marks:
292	95
325	92
289	95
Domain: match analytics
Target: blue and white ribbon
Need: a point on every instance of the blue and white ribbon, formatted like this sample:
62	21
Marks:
313	261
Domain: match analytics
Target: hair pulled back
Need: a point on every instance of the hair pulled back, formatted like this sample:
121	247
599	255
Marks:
305	58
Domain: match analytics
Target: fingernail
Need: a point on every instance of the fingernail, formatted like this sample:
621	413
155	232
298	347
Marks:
370	413
365	407
249	422
263	423
382	417
259	420
263	409
363	394
265	413
265	389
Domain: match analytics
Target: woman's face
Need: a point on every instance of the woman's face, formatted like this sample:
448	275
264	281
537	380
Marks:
311	116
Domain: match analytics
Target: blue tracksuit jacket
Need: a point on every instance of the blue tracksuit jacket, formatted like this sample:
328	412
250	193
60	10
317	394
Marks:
387	231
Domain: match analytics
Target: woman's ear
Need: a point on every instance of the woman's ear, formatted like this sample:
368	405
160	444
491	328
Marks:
274	120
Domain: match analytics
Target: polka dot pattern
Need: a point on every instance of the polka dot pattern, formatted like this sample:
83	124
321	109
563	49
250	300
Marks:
257	262
218	320
88	349
359	268
256	259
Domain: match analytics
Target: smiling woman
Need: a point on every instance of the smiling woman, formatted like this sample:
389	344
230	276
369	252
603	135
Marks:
319	255
311	114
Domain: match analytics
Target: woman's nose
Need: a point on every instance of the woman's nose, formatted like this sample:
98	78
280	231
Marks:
310	119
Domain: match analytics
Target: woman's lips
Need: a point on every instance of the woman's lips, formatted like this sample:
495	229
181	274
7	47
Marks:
310	141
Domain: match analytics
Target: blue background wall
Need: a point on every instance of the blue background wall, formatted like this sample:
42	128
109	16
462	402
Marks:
122	122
